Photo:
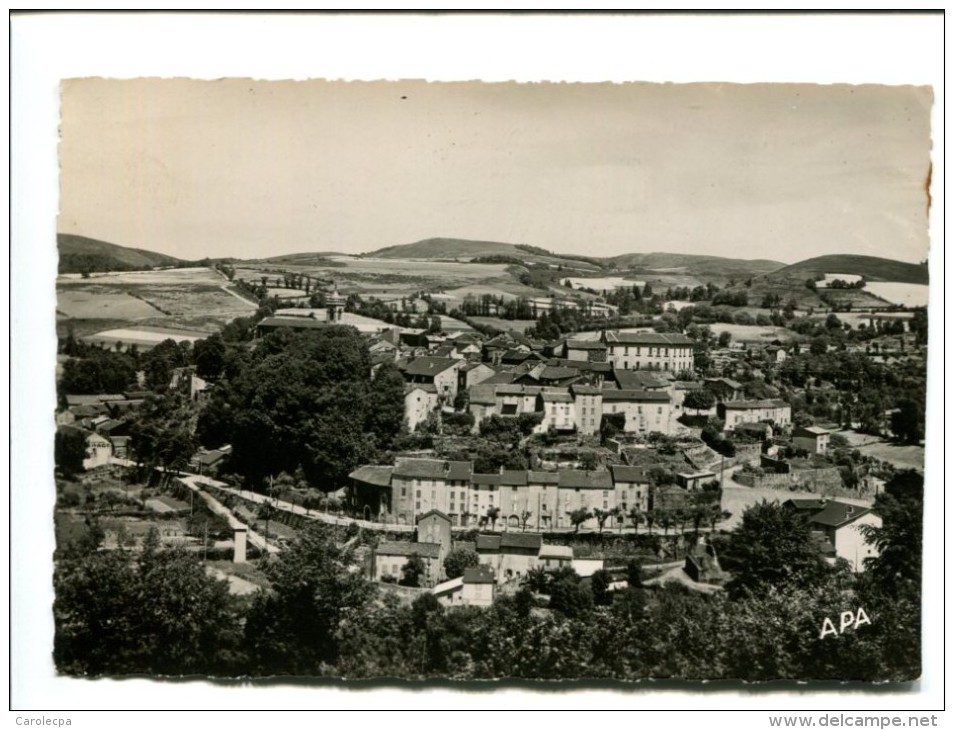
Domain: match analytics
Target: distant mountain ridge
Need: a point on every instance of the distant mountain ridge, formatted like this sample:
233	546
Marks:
80	254
872	268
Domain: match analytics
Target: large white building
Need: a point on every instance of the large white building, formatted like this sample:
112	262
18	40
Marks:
649	351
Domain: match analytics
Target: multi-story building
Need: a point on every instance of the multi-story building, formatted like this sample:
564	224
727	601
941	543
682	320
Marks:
645	410
559	412
649	351
753	411
587	408
420	485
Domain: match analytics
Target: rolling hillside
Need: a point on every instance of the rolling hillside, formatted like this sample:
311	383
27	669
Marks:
453	248
711	266
872	268
80	254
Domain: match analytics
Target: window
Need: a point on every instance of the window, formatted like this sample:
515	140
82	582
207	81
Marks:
659	410
418	493
605	494
514	490
403	491
417	505
605	504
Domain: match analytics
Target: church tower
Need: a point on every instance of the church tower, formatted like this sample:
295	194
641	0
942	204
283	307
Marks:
336	305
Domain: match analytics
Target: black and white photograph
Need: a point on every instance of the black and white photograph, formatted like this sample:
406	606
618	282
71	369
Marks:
481	382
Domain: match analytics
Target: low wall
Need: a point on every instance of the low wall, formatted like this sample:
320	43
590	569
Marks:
812	480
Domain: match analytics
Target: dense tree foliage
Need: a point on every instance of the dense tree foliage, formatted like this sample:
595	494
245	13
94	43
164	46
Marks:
155	613
293	628
772	548
458	559
305	401
98	371
69	451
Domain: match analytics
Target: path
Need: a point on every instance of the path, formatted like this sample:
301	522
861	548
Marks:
225	288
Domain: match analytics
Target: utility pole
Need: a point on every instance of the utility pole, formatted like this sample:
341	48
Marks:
205	543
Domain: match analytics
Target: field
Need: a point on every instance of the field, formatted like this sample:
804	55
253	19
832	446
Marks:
519	325
98	302
737	498
144	337
197	300
604	283
753	333
908	295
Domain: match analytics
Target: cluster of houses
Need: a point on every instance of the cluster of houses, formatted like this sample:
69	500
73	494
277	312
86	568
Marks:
503	558
515	499
102	418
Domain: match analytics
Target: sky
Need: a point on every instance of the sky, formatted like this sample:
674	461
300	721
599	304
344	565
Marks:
245	168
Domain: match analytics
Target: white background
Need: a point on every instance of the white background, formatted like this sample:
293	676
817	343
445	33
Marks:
45	48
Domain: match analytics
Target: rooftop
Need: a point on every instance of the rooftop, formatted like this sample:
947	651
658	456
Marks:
647	338
433	469
429	366
578	479
424	549
379	476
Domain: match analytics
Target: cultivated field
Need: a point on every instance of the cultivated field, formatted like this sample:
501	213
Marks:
604	283
737	498
193	299
100	302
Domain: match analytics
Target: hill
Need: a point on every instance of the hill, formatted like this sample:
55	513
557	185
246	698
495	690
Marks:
79	254
704	266
872	268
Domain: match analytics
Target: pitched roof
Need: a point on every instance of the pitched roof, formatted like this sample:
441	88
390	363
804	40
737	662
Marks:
430	365
556	397
488	542
636	396
508	389
493	479
585	345
553	372
637	379
482	394
597	367
647	338
748	405
577	389
734	384
448	586
836	514
543	477
379	476
556	551
625	473
478	574
579	479
811	431
424	549
513	477
433	512
687	385
521	540
426	387
433	469
804	505
502	377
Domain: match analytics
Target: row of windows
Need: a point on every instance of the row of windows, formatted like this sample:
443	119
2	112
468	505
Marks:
659	351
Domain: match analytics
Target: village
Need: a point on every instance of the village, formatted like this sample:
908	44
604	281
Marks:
515	455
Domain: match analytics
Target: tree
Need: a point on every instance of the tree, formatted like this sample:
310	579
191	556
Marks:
907	422
303	400
159	613
578	517
601	516
525	516
492	514
772	548
724	338
386	405
69	451
570	597
897	567
600	583
636	517
316	586
699	400
412	571
458	559
209	356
